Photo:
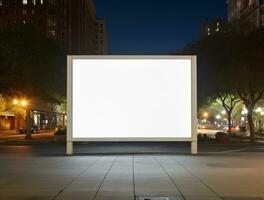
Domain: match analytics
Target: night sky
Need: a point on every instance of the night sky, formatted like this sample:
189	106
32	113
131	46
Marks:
137	27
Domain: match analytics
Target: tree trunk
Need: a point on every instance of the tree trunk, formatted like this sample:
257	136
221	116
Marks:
229	118
251	125
28	125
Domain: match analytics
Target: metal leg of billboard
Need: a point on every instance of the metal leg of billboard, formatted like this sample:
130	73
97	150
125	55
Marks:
69	148
194	148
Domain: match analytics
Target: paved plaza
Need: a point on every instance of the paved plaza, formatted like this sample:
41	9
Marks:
28	172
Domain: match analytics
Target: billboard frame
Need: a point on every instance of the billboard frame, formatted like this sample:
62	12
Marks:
70	139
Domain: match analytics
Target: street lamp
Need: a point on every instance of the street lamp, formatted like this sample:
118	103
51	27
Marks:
205	114
15	102
24	104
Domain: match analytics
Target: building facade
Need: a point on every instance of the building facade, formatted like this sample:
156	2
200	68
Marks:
102	38
214	26
72	23
251	11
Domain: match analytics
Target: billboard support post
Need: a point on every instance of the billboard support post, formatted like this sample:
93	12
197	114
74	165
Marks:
194	147
69	148
190	83
69	145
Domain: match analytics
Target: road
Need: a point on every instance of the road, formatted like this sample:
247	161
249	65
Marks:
230	172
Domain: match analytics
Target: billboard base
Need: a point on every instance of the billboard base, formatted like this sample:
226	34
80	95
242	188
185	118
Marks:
69	148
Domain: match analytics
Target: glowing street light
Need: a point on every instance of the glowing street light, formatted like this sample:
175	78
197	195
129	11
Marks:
24	103
223	112
15	102
259	110
218	117
205	114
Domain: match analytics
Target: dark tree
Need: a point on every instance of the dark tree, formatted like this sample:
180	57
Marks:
230	64
247	70
31	64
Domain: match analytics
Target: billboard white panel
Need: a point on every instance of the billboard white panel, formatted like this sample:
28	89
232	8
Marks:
131	98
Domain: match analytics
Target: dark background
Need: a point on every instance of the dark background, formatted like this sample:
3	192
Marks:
155	27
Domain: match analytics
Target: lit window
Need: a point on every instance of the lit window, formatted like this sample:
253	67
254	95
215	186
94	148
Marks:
208	31
24	12
34	2
51	22
24	2
24	21
1	2
52	33
41	2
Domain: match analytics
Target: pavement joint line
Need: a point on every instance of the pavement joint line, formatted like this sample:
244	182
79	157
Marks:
176	186
74	179
133	173
199	179
100	186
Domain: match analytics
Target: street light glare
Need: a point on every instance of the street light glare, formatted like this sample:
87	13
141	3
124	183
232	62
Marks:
218	117
205	114
259	110
24	103
15	102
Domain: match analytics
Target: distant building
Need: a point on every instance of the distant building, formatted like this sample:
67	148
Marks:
71	22
251	11
85	30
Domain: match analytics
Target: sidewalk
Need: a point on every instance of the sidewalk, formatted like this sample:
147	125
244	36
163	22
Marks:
14	136
233	176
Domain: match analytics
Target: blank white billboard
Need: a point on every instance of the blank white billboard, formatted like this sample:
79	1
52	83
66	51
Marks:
131	98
